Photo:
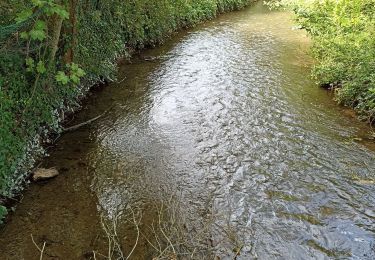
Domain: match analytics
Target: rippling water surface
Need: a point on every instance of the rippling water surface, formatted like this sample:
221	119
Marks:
216	145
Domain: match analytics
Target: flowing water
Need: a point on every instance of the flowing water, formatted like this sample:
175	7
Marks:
216	145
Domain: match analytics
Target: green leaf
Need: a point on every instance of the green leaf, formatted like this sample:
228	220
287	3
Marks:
40	25
40	68
24	35
74	79
29	64
60	11
62	78
38	3
76	70
37	35
24	15
80	72
74	67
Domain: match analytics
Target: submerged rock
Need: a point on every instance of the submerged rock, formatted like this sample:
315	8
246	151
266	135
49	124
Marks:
42	174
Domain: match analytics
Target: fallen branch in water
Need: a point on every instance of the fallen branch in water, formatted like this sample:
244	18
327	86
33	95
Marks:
75	127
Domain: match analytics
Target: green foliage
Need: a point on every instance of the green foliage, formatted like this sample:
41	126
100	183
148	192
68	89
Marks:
134	25
28	95
74	75
343	35
3	213
43	70
38	32
23	16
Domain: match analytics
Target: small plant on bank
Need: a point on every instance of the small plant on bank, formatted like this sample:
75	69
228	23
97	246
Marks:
3	213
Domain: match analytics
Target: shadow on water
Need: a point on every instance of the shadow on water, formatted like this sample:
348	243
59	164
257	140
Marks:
217	144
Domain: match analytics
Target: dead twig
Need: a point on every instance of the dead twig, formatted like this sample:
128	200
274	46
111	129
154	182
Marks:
138	232
75	127
162	231
40	250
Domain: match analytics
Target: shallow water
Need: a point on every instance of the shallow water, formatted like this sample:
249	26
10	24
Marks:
219	145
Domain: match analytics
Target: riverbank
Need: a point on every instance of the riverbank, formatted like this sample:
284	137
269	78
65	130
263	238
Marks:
222	145
67	49
343	47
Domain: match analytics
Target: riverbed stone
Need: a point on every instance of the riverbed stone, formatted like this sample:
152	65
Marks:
42	174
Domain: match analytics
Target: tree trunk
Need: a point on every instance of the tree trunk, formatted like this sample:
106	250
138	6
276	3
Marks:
55	37
69	55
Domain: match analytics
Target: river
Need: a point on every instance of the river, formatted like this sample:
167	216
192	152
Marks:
216	145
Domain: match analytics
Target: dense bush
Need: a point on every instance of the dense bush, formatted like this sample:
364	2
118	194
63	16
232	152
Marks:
343	33
52	49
